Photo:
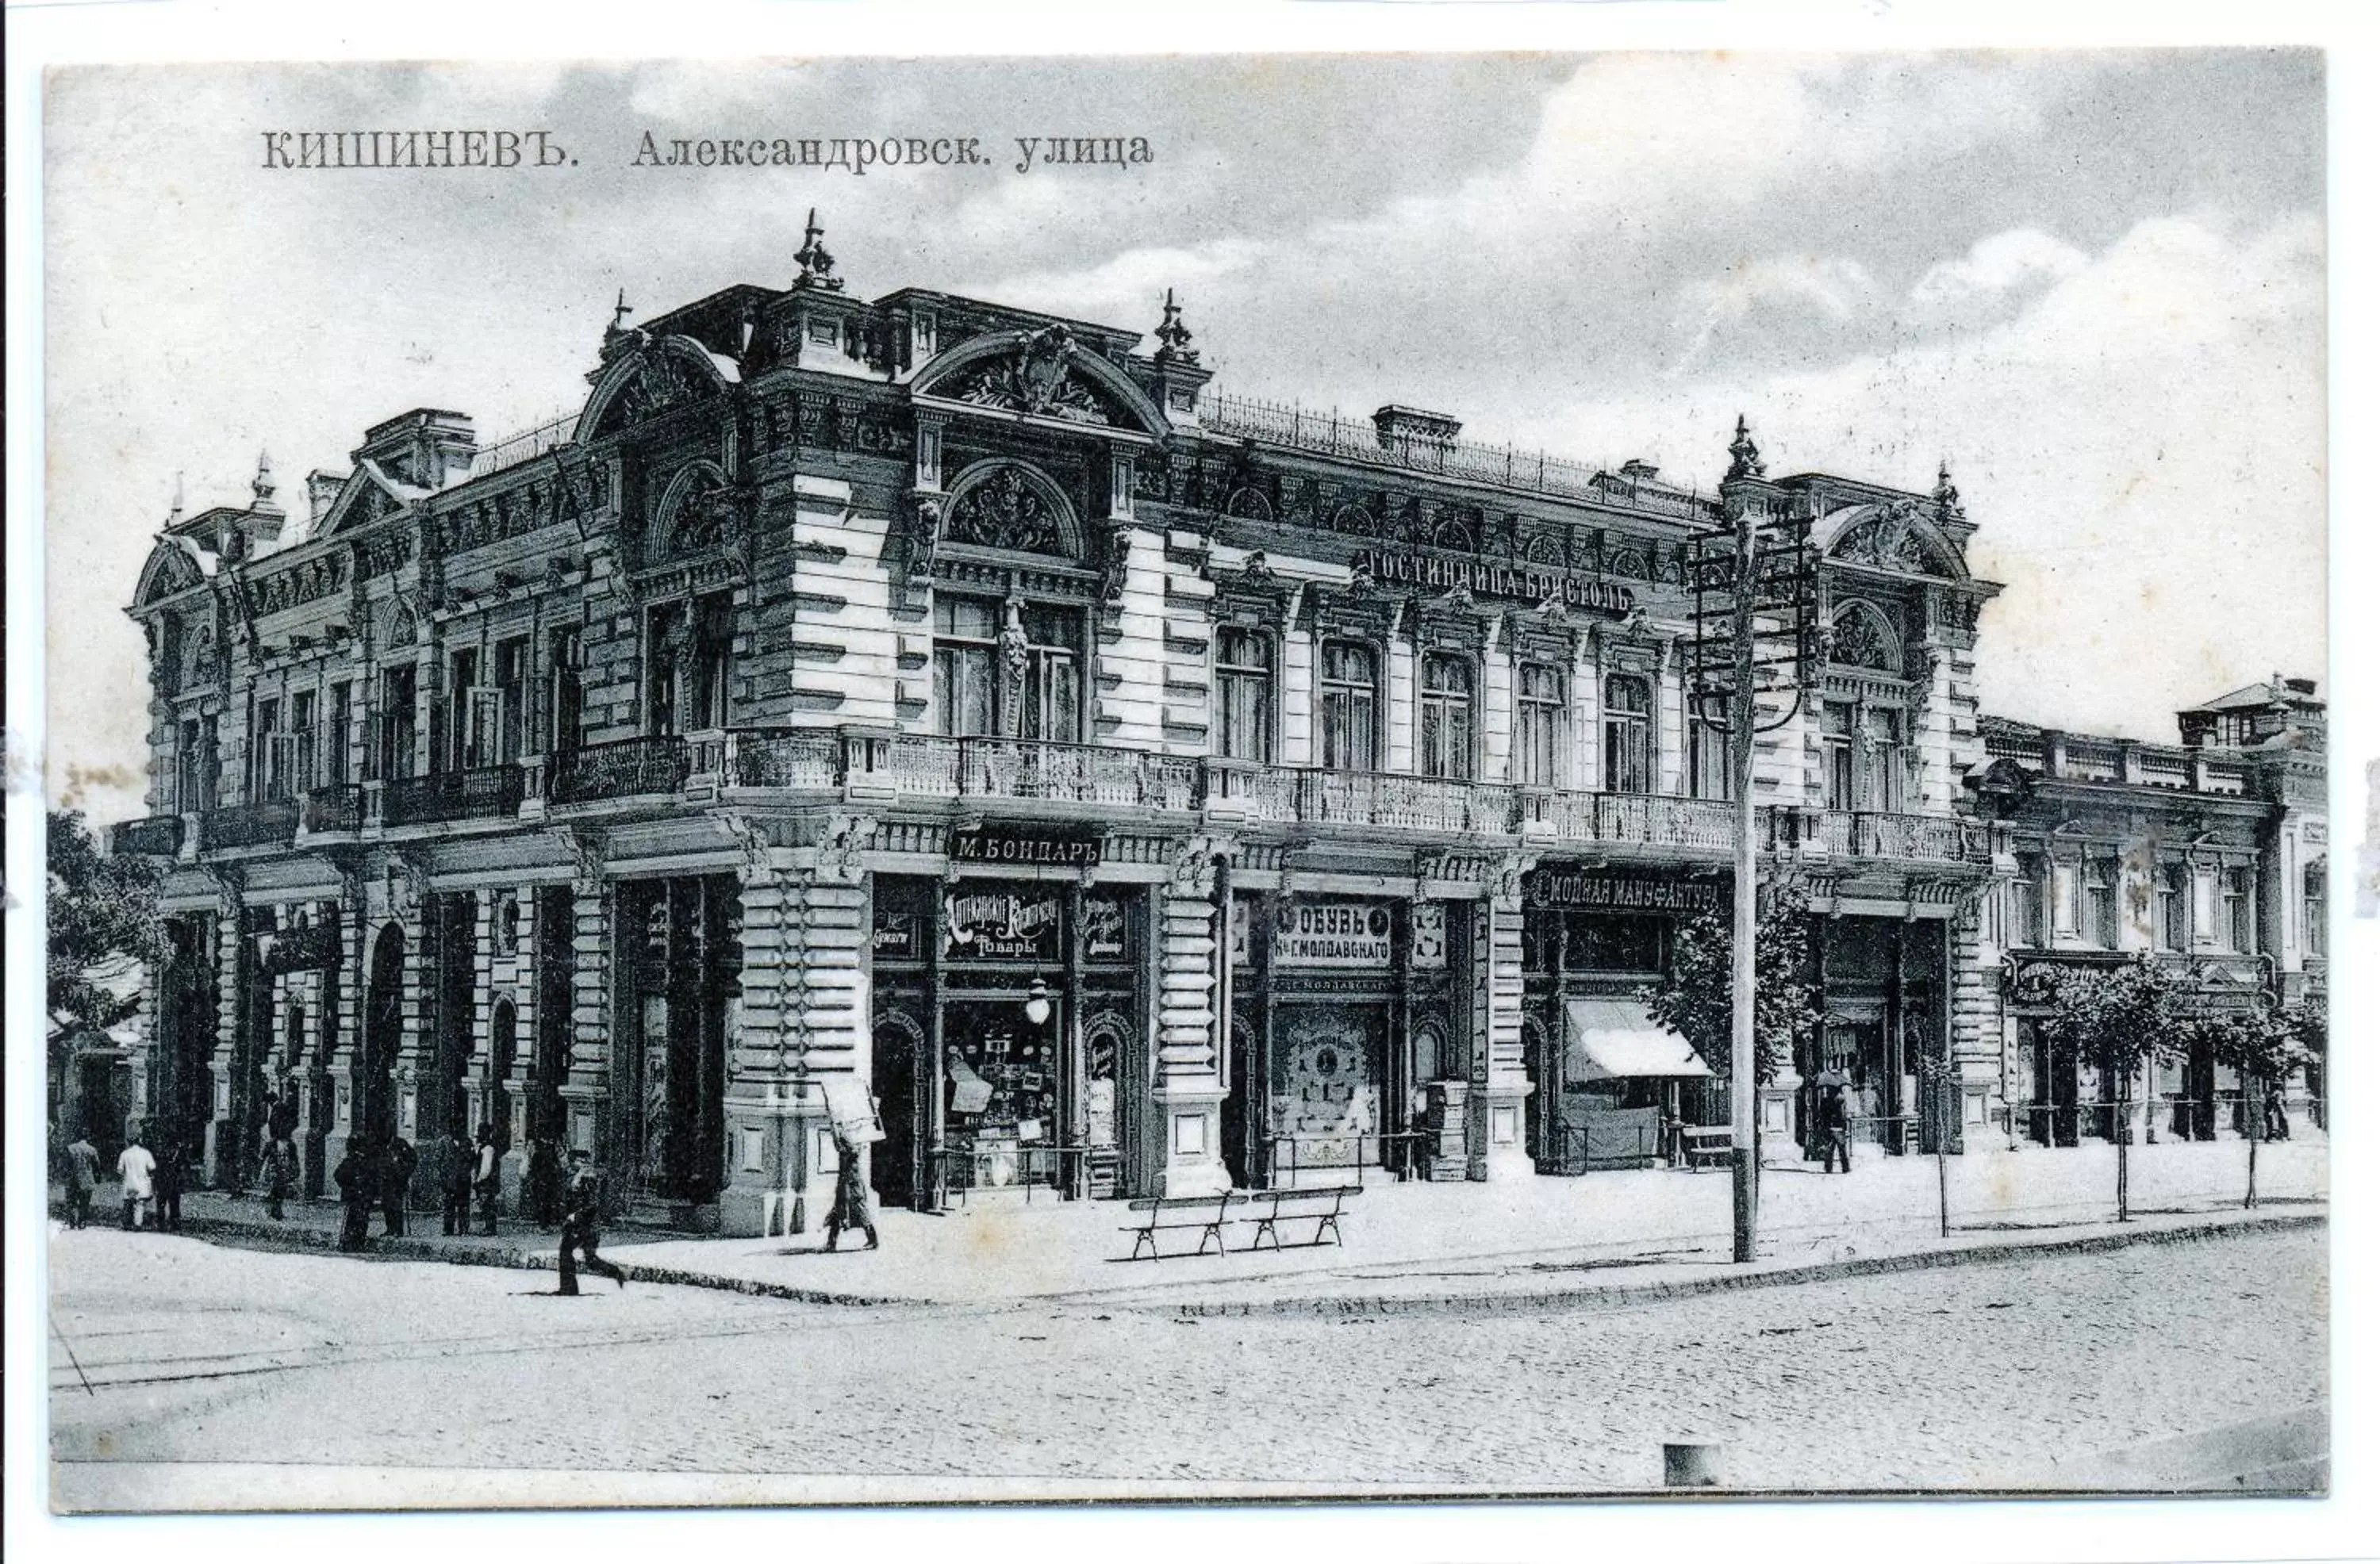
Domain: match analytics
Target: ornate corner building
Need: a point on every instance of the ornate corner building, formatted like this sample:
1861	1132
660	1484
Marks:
1134	790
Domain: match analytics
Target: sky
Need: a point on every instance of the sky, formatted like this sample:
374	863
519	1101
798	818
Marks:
2092	283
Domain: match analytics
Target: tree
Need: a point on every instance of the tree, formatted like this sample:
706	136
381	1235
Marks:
1694	998
99	907
2120	1018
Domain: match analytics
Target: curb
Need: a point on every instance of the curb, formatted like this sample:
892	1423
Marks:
250	1235
1570	1299
1624	1296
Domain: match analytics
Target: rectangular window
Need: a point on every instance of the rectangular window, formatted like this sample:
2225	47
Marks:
662	627
1053	675
1350	698
2066	898
2317	907
305	743
187	757
1445	736
334	747
1539	720
965	632
398	722
454	738
1243	685
2239	908
1888	763
714	644
512	698
1835	747
267	780
1627	733
564	701
2099	903
2173	906
2024	904
1709	770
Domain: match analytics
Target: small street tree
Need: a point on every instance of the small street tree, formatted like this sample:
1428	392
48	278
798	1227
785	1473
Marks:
2265	1044
2120	1019
100	906
1694	998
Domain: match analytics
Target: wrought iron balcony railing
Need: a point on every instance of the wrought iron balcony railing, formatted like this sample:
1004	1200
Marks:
479	793
268	824
157	836
339	807
621	768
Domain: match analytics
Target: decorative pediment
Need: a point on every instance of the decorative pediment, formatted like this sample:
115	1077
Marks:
1040	373
1252	593
366	497
657	376
171	569
1861	638
1897	538
1007	506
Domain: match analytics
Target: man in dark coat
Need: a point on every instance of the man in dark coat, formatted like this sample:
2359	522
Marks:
171	1162
83	1178
359	1189
1835	1123
396	1183
487	1177
582	1218
455	1164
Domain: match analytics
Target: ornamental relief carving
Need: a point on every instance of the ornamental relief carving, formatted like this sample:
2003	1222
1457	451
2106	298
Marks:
1006	511
1034	379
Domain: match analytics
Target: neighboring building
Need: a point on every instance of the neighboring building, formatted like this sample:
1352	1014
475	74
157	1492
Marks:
2212	856
91	1074
1136	790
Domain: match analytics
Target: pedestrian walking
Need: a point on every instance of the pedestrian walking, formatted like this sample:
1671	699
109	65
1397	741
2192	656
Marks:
281	1123
396	1183
455	1165
137	1168
358	1188
582	1218
1835	1119
280	1175
83	1178
486	1178
2276	1117
173	1167
544	1182
850	1208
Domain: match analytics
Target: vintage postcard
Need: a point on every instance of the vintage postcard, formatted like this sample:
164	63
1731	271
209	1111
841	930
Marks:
862	779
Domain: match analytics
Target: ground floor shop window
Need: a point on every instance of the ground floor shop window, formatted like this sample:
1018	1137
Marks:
1329	1076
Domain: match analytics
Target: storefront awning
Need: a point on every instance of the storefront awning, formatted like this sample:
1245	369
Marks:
1609	1038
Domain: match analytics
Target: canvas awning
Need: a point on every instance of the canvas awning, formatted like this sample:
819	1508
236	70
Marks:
1612	1038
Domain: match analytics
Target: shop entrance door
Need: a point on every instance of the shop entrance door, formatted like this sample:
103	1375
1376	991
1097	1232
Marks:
375	1119
892	1168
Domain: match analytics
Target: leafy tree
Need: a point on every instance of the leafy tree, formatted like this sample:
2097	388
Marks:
2122	1018
1696	998
2263	1042
100	906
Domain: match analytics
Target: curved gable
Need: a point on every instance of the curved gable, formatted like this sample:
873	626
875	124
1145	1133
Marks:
659	374
1045	373
1897	536
174	565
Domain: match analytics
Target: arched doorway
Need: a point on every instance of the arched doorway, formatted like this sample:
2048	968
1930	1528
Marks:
384	1034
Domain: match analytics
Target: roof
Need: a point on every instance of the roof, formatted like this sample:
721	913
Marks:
2257	697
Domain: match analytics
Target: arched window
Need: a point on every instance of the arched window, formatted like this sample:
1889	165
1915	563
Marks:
1446	723
1243	684
1350	707
1627	733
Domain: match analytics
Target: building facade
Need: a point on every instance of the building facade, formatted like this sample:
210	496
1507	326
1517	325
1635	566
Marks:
2210	858
1132	789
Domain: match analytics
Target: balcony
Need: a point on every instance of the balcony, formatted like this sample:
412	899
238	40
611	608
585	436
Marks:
1921	838
158	836
623	768
1404	803
338	807
269	824
1077	773
478	792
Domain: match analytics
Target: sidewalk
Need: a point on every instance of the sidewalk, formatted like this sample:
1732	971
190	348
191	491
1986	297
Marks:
1533	1242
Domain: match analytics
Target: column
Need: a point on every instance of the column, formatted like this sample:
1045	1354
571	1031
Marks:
220	1167
1496	1142
1188	1089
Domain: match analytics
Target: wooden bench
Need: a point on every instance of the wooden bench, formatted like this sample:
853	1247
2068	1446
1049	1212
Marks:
1321	1206
1207	1213
1707	1146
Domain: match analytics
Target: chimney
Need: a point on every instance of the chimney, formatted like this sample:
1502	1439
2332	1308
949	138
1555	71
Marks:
1411	431
321	489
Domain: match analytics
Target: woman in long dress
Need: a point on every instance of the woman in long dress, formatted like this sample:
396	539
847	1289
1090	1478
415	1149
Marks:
850	1208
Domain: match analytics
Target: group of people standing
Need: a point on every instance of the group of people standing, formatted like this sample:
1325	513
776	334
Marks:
150	1180
464	1171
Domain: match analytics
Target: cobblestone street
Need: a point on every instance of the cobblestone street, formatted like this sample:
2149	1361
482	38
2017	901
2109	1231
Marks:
1948	1378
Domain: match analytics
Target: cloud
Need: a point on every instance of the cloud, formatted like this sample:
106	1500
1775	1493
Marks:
1831	287
2022	258
1127	288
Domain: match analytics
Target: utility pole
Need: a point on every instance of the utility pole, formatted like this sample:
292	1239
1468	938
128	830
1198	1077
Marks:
1759	628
